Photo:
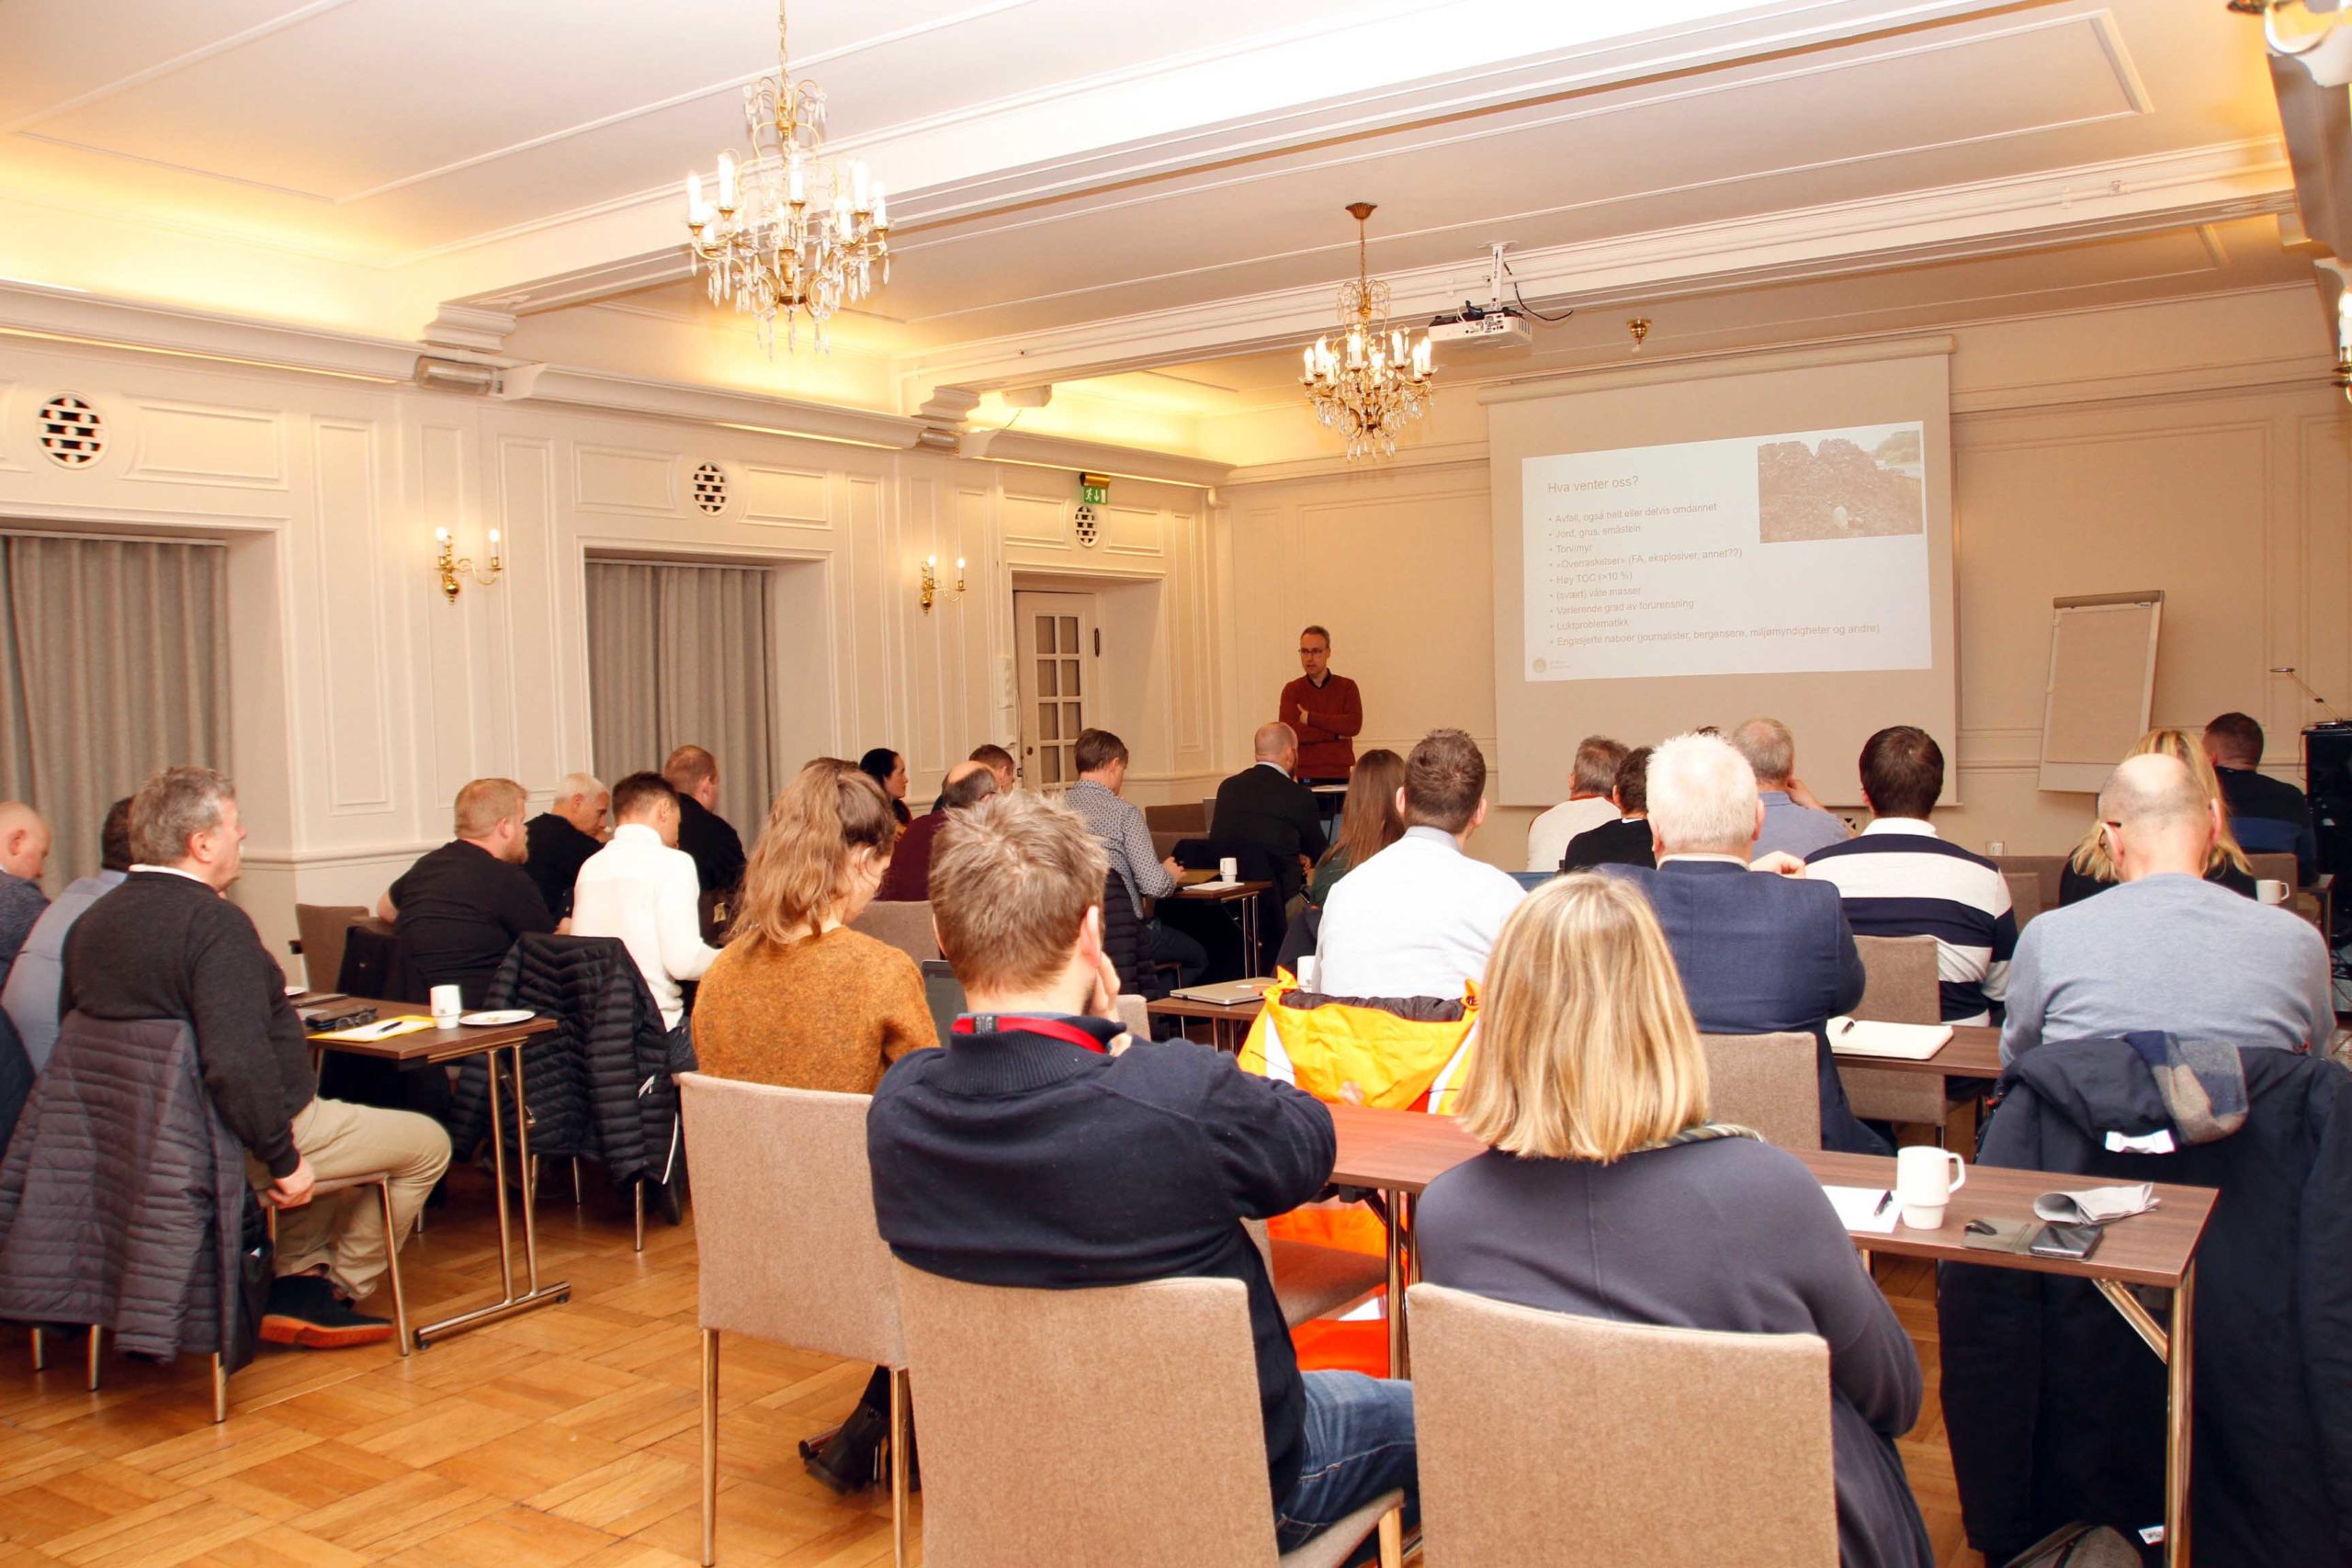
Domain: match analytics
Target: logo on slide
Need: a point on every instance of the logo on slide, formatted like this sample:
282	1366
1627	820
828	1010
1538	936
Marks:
1834	490
1541	665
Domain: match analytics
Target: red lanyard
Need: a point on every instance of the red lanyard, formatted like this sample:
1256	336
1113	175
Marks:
1052	1028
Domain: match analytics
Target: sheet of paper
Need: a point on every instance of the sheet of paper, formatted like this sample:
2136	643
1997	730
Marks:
1858	1210
382	1029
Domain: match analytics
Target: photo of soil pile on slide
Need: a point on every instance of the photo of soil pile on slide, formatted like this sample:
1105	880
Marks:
1836	489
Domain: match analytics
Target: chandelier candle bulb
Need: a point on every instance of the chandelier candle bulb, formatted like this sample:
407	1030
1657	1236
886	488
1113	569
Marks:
726	182
857	187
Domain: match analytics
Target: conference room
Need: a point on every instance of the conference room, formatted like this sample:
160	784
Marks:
1019	782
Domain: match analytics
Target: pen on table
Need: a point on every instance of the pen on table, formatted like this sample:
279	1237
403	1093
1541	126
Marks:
1884	1200
1846	1028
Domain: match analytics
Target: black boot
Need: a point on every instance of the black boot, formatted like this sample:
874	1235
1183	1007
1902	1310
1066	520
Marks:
850	1460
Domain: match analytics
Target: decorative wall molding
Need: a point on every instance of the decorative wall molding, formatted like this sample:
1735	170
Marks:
176	443
1738	362
554	383
1092	457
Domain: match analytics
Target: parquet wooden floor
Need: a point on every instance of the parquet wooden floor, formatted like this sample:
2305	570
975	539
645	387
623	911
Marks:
566	1438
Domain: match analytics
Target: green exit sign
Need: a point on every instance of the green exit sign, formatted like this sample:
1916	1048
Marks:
1094	490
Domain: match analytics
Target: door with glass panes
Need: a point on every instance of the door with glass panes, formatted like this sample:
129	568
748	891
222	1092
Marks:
1054	648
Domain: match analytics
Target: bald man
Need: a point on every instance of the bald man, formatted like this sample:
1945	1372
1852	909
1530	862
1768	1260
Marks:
909	878
1265	807
717	848
558	841
2166	950
24	854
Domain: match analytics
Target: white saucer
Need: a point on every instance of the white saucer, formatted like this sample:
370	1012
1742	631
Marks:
492	1019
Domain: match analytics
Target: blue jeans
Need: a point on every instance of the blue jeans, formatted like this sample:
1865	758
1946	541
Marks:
1359	1441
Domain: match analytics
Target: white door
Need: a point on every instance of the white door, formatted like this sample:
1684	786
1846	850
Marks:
1054	649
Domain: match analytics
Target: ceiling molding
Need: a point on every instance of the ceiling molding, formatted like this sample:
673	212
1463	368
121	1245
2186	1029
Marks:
1092	457
707	405
32	310
1739	362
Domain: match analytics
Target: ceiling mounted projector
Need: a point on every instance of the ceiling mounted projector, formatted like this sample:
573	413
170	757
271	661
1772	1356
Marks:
1499	328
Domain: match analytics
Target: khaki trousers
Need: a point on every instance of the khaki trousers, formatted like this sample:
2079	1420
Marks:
346	1230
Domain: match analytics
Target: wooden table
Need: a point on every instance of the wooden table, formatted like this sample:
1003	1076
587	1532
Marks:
1244	894
1235	1017
1401	1152
1972	1051
433	1046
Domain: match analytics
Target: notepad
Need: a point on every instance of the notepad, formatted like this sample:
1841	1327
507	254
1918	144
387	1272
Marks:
1219	886
1909	1042
382	1029
1859	1208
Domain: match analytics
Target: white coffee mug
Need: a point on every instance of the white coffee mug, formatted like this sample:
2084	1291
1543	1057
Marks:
1228	869
2271	892
446	1004
1925	1179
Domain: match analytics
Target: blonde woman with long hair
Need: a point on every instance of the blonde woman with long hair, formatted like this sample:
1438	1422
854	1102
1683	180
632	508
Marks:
2091	868
1606	1192
797	999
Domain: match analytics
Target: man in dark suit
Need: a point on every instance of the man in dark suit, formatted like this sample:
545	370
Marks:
1264	807
1761	951
558	841
2268	816
702	832
1625	841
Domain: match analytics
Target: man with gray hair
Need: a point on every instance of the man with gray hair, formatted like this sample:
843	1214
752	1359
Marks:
24	855
1759	953
1794	822
1591	776
169	944
2164	949
558	841
908	880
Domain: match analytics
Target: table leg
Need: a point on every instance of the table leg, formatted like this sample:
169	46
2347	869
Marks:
2178	1377
535	1296
1401	1269
1249	934
498	1176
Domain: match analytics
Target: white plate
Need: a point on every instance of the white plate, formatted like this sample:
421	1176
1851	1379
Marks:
491	1019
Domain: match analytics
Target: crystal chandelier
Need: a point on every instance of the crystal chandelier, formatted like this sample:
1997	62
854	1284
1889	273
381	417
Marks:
790	232
1378	377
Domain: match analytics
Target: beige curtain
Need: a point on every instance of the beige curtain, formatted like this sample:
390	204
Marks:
680	655
113	663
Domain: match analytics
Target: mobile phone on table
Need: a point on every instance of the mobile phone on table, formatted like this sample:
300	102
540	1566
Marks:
2066	1241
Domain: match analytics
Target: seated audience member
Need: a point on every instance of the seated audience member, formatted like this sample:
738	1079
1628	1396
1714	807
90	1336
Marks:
1760	954
888	769
703	834
2091	868
1102	758
1264	807
797	997
1025	1153
1369	821
2166	948
30	996
1900	878
908	879
24	855
999	764
1418	919
1324	710
1591	776
560	839
1625	841
1607	1193
2269	816
1794	822
455	912
169	944
641	888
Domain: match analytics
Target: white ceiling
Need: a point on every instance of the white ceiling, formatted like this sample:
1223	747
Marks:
1087	187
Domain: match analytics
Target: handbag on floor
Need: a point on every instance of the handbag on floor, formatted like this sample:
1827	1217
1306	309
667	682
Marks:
2079	1546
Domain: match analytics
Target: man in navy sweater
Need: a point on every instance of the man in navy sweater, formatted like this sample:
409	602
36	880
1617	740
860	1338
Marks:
1043	1149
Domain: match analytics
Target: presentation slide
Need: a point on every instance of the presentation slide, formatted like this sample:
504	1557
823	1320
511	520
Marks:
1788	553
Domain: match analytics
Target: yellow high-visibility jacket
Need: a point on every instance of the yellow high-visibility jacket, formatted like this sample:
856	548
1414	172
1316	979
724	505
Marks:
1383	1052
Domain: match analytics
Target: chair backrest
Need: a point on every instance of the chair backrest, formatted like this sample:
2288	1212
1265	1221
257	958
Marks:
784	1219
2025	895
1114	1425
944	993
1769	1082
2048	870
905	925
2270	866
1900	980
321	927
1135	1015
1180	816
1689	1446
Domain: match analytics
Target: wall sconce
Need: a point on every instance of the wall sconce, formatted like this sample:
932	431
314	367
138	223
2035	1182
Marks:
930	584
448	565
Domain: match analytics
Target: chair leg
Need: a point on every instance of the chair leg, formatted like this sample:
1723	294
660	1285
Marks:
901	1427
709	1447
578	1200
392	1268
40	1351
640	1213
1392	1539
220	1389
97	1348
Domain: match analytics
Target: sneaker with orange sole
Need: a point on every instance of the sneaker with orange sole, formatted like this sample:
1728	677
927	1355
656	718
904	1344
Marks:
304	1311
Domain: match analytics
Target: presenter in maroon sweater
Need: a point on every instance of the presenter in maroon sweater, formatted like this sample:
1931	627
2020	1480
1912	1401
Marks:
1324	709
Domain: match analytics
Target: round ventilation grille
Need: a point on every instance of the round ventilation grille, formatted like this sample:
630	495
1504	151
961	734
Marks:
1088	528
710	489
71	432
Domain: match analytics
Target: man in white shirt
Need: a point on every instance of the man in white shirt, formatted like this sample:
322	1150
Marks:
1418	919
1590	778
643	889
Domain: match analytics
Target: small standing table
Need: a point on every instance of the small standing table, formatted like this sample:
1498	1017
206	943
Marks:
1972	1051
1235	1017
1244	894
433	1046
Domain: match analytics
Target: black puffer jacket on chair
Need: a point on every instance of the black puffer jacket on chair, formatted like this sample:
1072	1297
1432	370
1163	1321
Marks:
123	1199
599	1086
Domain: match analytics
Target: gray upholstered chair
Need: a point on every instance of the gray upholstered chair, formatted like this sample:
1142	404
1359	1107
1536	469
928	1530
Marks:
1769	1082
2025	895
2047	870
1688	1446
784	1220
905	925
1116	1425
1902	987
322	930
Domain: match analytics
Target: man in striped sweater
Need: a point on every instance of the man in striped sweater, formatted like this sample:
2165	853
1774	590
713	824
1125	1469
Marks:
1899	878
